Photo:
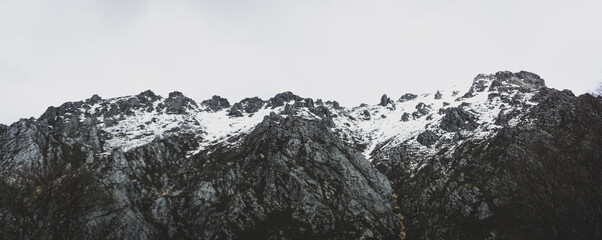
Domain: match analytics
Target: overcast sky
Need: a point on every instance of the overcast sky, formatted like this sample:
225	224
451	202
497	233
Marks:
351	51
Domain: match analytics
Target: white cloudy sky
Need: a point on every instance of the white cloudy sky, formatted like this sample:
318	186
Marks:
351	51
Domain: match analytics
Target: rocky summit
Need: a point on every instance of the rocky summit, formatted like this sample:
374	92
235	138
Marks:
504	157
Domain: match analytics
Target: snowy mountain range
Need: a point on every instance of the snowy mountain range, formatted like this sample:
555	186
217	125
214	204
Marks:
502	157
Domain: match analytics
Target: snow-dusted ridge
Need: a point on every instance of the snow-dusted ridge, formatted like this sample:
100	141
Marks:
143	125
132	121
383	123
416	120
218	126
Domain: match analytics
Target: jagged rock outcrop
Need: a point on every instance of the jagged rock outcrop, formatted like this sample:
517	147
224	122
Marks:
235	112
216	103
407	97
334	104
427	138
247	105
177	103
148	94
405	117
280	99
385	100
421	110
94	99
457	118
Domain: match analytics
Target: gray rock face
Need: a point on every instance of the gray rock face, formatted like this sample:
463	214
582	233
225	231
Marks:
438	95
148	94
549	111
405	117
177	103
216	103
334	104
293	180
385	100
94	99
19	141
506	81
366	113
247	105
427	138
532	79
456	119
42	197
126	106
421	110
235	112
282	98
407	97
